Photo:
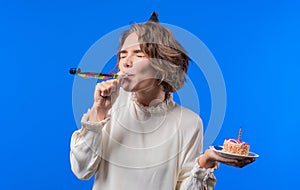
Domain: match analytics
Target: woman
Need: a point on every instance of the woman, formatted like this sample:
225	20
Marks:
137	137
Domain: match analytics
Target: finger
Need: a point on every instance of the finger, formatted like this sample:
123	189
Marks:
227	160
100	87
97	90
118	82
114	85
249	160
244	162
106	89
109	87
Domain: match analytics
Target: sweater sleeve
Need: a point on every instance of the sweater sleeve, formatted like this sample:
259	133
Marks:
85	154
200	178
191	176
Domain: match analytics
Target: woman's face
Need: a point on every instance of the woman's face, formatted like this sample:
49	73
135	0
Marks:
134	63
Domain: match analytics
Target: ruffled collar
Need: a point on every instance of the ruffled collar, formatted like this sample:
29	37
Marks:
164	106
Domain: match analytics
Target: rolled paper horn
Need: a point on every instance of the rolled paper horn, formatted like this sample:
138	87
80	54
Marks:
154	17
101	76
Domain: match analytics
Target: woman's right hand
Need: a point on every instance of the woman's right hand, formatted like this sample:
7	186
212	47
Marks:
209	158
105	95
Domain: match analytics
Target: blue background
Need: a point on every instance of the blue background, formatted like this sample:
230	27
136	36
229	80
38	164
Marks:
256	44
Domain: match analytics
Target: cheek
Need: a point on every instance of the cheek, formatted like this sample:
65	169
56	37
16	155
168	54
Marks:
146	70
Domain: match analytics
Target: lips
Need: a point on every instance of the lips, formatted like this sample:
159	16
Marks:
128	76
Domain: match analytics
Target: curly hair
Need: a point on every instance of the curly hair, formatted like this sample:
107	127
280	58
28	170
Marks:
166	54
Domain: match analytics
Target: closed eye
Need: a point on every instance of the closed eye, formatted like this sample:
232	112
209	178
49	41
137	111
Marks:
123	54
139	53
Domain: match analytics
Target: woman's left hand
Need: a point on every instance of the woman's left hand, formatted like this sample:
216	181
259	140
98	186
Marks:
210	157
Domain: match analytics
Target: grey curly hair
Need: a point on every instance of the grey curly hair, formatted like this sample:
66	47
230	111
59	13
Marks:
166	54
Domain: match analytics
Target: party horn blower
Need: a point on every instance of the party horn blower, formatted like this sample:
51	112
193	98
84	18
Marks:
101	76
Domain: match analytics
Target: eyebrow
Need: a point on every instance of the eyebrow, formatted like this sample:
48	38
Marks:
137	51
122	51
134	51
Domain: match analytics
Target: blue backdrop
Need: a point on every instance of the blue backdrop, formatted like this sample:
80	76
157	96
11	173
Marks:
256	44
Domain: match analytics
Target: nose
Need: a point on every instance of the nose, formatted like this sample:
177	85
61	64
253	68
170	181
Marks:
128	61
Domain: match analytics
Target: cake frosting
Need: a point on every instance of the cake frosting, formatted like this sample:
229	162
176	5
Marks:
236	147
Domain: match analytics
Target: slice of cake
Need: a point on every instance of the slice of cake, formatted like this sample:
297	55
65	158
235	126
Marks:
236	146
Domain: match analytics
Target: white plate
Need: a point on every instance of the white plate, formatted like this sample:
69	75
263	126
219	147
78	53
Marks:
218	149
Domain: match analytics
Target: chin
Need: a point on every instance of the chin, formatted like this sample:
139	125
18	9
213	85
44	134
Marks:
127	87
135	87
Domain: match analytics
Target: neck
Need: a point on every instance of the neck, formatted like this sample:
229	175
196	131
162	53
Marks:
151	96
